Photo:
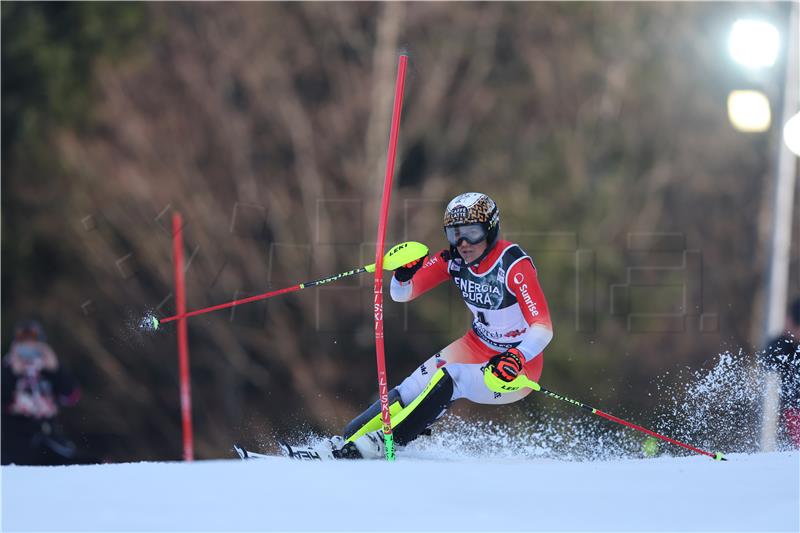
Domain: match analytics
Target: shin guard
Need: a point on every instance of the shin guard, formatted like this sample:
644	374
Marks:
415	418
370	419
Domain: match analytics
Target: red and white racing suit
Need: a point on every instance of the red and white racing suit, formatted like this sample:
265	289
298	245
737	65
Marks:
509	310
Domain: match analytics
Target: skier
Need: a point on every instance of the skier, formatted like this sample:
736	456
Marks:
34	388
510	329
783	356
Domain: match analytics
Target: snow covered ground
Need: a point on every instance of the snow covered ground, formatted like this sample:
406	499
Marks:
759	492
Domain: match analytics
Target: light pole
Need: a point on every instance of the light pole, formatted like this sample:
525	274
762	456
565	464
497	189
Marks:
780	241
755	44
783	199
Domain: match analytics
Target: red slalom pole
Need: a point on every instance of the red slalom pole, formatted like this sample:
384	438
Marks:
183	339
383	387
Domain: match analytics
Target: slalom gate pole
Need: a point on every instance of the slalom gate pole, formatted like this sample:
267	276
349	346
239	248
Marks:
183	338
497	385
399	255
383	387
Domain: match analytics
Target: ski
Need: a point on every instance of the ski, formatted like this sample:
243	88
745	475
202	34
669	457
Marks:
323	451
247	454
302	453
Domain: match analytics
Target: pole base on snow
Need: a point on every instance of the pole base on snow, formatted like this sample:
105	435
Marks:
388	442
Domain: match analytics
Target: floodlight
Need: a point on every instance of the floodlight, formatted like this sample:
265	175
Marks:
754	43
791	134
749	111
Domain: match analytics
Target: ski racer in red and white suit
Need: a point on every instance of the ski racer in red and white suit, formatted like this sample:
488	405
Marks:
509	311
510	328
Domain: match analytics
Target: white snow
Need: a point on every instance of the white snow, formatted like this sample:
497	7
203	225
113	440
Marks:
758	492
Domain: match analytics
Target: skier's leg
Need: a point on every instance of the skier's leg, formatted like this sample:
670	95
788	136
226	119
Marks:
467	375
370	419
455	372
449	383
412	420
465	349
429	405
468	383
791	416
464	360
459	350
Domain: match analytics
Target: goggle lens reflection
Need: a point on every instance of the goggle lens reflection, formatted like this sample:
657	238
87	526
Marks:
472	233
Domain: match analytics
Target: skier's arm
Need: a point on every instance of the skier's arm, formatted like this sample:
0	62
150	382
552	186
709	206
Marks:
432	273
64	384
523	282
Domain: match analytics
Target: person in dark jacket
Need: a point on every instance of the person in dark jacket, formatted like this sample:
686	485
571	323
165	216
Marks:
34	387
783	356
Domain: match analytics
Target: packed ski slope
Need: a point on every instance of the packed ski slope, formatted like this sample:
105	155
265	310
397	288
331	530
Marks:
759	492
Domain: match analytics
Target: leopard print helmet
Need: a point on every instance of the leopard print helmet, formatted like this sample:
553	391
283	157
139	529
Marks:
474	208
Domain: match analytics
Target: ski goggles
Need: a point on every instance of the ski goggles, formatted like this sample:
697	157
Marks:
472	233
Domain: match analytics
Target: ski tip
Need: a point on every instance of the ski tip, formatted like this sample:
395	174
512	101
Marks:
241	451
719	457
285	448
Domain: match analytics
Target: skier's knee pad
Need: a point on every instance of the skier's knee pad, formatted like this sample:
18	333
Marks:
434	399
370	419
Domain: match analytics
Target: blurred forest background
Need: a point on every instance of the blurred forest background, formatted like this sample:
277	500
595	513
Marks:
600	129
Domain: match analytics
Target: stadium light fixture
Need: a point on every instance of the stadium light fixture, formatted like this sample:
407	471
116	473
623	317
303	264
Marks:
749	111
791	134
754	43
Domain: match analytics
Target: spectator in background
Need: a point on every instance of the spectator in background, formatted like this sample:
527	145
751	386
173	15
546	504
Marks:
783	356
34	387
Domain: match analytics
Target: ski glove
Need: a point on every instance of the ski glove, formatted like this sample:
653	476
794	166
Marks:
507	365
407	271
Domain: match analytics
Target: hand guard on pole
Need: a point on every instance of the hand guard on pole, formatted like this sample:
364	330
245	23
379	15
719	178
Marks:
407	271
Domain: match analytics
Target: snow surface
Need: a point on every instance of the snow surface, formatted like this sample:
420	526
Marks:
758	492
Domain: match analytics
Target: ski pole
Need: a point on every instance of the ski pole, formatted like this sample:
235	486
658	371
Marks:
496	384
398	256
